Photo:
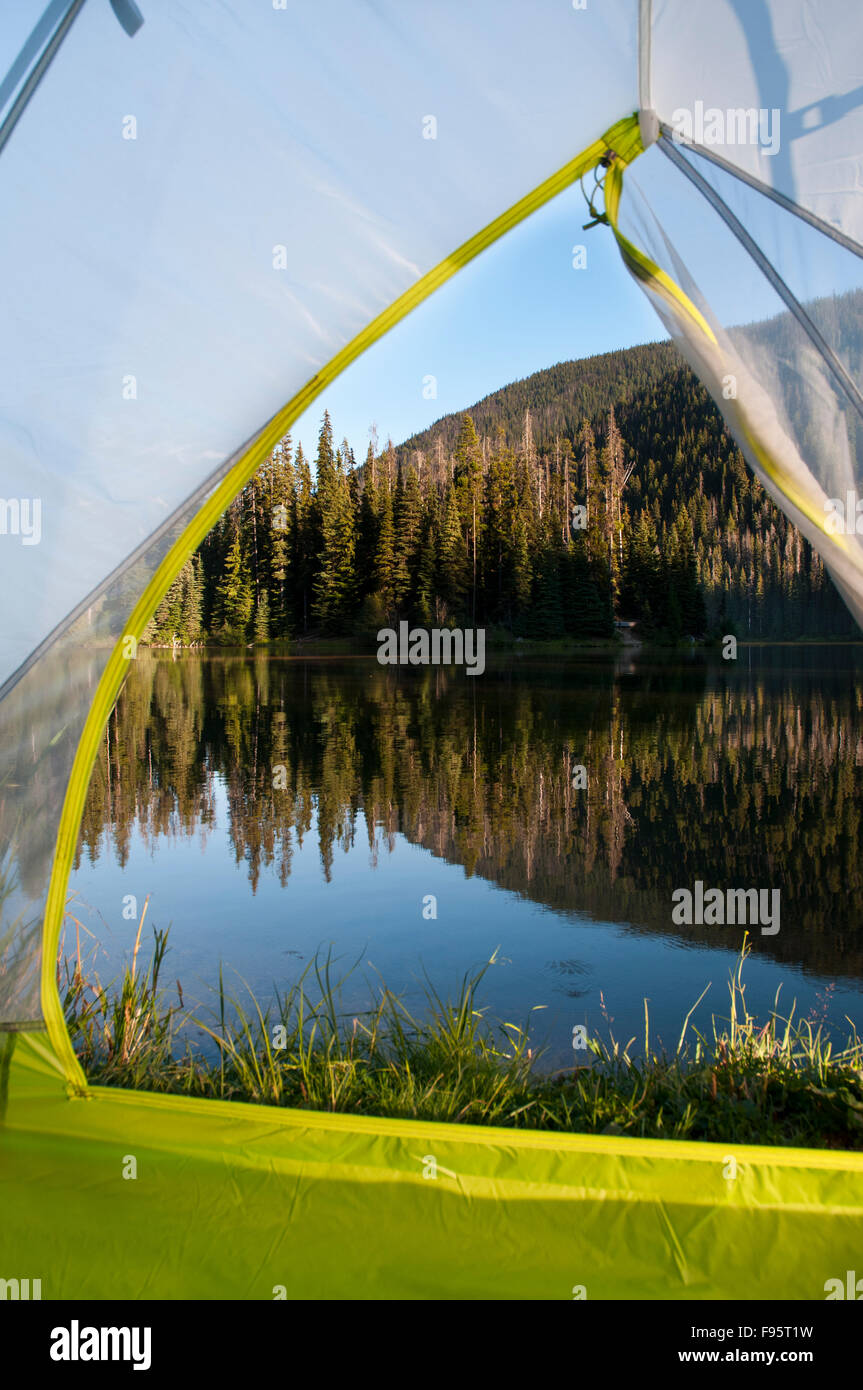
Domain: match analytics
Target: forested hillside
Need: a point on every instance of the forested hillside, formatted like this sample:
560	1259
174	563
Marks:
591	490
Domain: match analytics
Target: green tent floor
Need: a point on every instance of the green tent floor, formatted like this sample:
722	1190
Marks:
252	1202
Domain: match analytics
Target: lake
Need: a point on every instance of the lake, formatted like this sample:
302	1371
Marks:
414	822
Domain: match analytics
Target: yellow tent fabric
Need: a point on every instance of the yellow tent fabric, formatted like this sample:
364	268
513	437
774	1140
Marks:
249	1202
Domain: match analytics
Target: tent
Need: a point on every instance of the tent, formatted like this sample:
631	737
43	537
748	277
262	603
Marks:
210	210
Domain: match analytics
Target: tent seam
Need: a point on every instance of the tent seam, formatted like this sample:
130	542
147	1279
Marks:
271	1118
645	54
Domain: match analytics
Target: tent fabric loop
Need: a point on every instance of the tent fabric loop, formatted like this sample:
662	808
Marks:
597	216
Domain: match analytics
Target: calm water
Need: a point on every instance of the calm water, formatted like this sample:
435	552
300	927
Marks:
392	785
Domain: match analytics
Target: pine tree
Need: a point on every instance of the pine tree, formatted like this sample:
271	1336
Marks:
234	593
612	477
306	537
384	568
547	610
468	492
262	618
192	604
408	522
280	502
334	584
454	570
427	582
367	530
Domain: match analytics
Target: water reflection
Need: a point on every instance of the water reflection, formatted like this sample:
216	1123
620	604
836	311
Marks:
740	776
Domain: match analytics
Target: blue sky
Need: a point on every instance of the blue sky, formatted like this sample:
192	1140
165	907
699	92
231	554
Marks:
517	308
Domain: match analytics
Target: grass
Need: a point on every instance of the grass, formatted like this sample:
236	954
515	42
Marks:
777	1083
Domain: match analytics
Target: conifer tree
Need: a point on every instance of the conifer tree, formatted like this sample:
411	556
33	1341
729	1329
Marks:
408	522
384	569
262	618
282	542
468	491
334	584
454	570
427	586
306	541
234	593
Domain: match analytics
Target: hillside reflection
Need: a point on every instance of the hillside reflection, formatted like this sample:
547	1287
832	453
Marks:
738	776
